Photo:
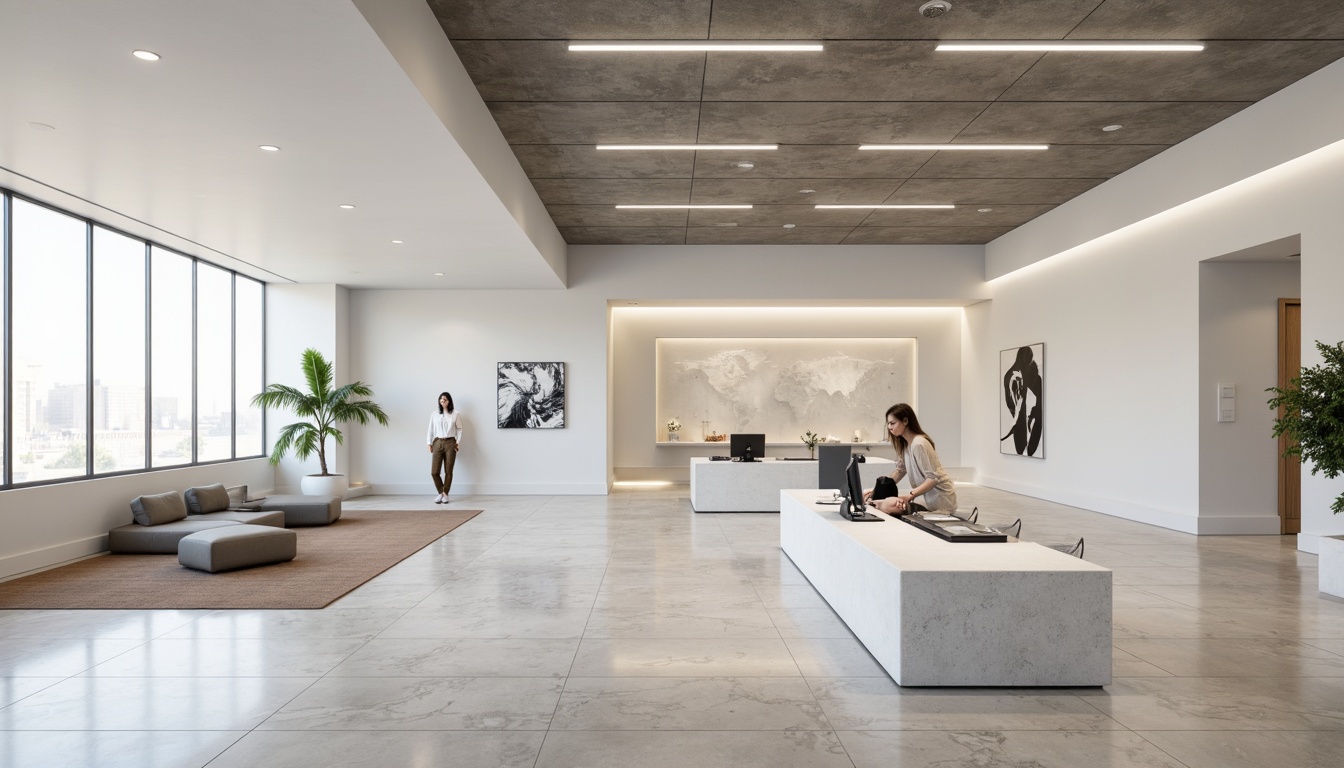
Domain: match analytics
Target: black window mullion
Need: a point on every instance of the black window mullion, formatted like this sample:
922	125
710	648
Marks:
6	242
195	331
88	349
149	356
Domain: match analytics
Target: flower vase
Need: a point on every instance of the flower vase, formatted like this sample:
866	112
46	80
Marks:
812	452
673	437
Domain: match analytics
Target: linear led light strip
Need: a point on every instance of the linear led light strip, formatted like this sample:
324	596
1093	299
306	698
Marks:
1102	46
888	207
690	147
684	207
958	147
683	46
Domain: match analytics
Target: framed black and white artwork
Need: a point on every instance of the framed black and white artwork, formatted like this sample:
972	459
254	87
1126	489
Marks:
1022	401
531	395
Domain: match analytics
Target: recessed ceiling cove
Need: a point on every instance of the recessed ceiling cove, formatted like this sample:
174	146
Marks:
877	80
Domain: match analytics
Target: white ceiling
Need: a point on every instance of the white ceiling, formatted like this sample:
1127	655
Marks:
169	150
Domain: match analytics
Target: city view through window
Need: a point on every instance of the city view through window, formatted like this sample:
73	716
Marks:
95	317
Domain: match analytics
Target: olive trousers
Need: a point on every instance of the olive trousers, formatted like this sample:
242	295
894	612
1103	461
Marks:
444	450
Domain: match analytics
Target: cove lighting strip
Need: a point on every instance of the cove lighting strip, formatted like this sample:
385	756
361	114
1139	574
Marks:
888	207
957	147
684	46
684	207
690	147
1084	46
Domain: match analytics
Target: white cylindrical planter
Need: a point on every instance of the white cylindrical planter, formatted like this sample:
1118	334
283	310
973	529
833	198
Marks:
324	485
1330	573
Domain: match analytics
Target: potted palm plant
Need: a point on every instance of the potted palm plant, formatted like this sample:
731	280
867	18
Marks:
1311	414
324	406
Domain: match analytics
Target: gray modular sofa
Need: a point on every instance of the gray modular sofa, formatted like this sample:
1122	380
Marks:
163	519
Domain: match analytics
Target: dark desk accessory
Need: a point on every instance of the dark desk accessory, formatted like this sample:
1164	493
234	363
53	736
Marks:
747	447
957	530
720	458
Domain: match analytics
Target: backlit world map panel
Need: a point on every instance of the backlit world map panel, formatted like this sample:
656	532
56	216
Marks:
783	387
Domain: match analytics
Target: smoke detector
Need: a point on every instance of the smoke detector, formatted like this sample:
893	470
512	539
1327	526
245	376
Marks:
934	8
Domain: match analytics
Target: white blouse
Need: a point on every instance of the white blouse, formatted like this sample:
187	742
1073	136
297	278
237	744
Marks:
921	462
444	425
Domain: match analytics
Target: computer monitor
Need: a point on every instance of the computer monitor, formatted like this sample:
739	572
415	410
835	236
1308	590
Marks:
746	447
832	458
852	508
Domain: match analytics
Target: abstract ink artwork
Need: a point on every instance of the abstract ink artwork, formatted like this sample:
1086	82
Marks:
1022	401
531	395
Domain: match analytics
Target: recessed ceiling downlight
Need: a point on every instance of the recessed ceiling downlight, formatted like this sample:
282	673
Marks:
269	148
984	210
346	206
1110	128
790	226
146	55
397	242
744	165
934	8
438	274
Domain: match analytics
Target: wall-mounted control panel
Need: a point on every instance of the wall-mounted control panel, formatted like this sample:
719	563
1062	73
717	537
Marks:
1227	402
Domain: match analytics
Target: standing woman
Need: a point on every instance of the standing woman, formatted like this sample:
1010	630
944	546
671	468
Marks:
445	440
915	455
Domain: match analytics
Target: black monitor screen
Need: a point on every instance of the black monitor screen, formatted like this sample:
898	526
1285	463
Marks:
854	487
738	445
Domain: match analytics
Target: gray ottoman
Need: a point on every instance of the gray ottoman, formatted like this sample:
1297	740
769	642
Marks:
237	546
304	510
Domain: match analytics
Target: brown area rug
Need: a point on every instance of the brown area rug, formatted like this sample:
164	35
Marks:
332	560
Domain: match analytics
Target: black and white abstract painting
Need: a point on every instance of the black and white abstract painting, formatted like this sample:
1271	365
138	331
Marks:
531	395
1022	401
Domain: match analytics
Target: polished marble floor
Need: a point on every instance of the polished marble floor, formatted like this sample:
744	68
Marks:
626	630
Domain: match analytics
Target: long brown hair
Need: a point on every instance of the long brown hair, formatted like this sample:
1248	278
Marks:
903	412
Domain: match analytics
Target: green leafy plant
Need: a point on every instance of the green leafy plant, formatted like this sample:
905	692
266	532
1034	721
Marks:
1313	415
810	440
323	406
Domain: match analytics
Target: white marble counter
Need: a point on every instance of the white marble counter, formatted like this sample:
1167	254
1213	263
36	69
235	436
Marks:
935	613
734	486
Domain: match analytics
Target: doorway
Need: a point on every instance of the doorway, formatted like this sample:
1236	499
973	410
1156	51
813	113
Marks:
1290	467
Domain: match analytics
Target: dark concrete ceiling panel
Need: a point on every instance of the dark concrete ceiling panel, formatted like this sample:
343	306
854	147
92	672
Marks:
572	19
991	191
887	70
879	80
835	122
1224	71
1081	122
597	122
790	191
890	19
1219	20
613	191
924	235
1067	161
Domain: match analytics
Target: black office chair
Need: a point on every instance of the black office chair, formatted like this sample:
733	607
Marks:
1070	549
1014	530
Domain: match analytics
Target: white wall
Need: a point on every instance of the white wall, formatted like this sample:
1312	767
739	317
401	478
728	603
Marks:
410	345
299	317
1238	344
54	523
1120	318
635	330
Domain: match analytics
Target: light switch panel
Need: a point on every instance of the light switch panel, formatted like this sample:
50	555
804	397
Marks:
1227	401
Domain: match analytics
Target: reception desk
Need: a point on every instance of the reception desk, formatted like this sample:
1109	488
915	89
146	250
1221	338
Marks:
935	613
734	486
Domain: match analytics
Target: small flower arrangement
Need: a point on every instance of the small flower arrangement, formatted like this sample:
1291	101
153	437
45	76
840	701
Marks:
810	440
674	426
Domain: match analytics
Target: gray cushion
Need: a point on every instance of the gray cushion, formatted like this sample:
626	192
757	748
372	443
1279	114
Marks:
275	519
240	546
158	539
305	510
207	498
158	508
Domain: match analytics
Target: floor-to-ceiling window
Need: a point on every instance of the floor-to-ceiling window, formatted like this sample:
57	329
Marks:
120	355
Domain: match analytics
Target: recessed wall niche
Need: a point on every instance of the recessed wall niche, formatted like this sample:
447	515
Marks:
782	387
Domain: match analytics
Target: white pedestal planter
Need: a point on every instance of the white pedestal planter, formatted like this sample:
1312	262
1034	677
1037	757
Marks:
329	485
1331	566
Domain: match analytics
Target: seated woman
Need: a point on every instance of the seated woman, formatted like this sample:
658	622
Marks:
916	456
